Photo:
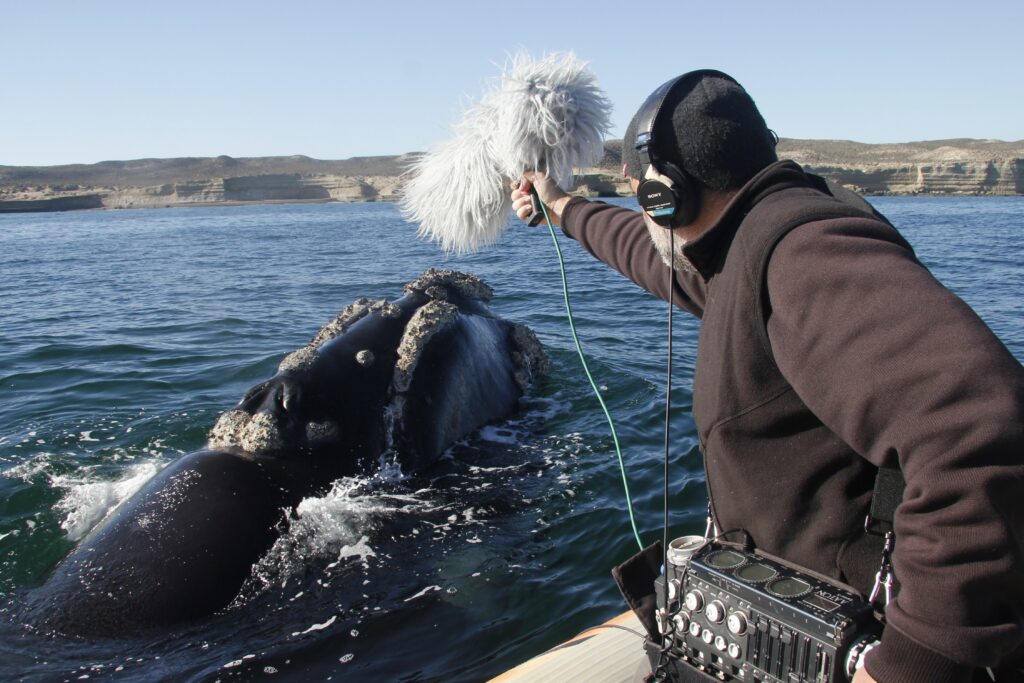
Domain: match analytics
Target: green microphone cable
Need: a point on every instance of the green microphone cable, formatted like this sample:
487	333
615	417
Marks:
586	370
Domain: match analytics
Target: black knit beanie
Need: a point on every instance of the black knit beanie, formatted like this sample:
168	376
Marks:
715	133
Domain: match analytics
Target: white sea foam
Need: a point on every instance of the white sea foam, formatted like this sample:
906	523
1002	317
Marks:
425	591
543	409
500	434
334	526
87	499
316	627
27	471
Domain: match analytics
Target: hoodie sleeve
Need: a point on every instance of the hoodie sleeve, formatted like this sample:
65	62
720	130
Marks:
618	237
903	370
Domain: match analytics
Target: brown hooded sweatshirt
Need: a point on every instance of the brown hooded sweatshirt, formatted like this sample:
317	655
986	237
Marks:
826	350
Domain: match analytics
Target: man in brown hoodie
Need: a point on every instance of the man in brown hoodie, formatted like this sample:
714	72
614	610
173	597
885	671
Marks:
827	350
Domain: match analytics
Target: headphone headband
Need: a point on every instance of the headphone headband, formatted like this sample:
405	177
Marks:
651	108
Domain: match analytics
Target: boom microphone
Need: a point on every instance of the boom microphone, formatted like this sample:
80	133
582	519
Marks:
547	114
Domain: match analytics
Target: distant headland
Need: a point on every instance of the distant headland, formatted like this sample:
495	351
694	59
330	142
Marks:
939	167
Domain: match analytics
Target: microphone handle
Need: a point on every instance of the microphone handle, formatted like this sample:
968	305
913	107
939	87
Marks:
538	214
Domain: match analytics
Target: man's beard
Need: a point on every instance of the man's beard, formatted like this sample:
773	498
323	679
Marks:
660	238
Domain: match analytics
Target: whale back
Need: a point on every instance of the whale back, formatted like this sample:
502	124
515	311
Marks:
176	550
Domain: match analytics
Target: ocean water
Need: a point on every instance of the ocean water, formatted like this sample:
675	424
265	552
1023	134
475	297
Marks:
123	335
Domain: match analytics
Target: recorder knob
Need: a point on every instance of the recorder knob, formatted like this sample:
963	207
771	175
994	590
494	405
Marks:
694	601
673	589
721	643
694	629
715	612
707	636
737	624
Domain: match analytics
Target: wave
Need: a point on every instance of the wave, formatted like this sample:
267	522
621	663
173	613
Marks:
88	500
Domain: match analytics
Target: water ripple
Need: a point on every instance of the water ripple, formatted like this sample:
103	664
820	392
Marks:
125	334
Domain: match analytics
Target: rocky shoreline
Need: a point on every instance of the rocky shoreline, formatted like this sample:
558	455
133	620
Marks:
943	167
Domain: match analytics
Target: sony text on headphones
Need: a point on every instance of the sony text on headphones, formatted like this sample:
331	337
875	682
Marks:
668	194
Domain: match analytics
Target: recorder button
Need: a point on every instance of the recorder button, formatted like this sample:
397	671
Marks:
734	650
707	636
720	643
694	629
737	624
694	601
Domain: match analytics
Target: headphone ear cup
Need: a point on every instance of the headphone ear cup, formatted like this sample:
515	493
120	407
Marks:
686	193
670	197
658	200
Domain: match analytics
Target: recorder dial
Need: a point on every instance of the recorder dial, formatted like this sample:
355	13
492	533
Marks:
737	624
715	612
694	601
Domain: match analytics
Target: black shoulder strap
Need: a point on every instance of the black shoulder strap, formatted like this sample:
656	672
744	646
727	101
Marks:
888	494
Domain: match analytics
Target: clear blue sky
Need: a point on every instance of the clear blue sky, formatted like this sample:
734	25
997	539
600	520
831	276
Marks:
82	82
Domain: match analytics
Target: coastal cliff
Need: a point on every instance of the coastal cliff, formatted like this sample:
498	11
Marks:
146	183
253	189
943	167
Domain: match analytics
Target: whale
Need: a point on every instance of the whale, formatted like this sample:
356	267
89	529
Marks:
397	381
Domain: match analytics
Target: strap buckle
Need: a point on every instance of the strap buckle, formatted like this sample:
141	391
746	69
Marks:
710	530
883	578
876	527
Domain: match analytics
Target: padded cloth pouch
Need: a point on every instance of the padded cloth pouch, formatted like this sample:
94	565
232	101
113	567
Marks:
635	579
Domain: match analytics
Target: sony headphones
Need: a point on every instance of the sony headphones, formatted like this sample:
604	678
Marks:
668	194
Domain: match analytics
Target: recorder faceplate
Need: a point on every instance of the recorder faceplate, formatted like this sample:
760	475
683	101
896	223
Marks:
742	616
